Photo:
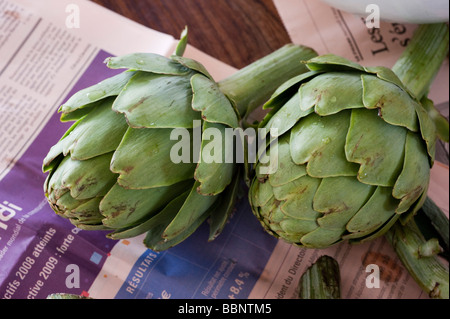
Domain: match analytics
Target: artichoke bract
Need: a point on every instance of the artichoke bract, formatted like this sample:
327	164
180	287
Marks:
355	149
119	168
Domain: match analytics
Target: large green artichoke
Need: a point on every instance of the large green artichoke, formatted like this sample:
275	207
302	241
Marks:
120	167
354	154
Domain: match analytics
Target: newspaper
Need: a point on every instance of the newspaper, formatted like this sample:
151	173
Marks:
51	49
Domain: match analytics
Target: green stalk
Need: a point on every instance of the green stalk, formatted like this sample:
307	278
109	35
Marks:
413	250
422	58
417	68
251	86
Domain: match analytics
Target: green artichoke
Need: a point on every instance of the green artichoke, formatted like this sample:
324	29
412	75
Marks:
354	154
118	168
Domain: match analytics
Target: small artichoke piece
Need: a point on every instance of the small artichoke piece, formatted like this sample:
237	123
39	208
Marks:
322	280
417	245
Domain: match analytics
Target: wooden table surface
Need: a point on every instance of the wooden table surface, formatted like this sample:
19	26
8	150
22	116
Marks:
236	32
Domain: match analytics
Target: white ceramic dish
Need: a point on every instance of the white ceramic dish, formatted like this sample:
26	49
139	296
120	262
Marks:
406	11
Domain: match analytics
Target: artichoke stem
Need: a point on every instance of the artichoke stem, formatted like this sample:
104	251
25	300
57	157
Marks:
422	58
428	271
251	86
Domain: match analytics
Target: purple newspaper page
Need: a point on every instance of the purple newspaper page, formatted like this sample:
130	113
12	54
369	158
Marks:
40	250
